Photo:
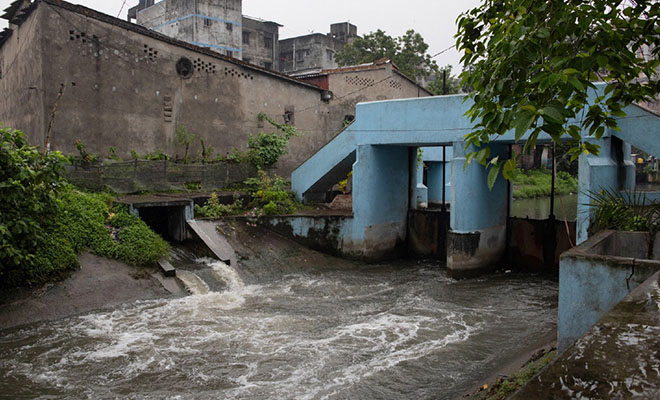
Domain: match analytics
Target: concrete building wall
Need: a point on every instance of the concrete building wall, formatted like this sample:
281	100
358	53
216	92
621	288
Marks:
123	90
24	103
260	43
309	52
213	24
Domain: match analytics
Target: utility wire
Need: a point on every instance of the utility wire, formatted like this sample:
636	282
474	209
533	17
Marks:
121	9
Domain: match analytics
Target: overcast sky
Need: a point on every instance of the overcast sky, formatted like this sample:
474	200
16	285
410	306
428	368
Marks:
435	20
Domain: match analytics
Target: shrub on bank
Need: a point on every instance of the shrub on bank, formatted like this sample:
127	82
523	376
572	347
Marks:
538	183
45	222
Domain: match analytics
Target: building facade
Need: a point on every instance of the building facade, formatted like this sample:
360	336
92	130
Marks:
128	87
315	51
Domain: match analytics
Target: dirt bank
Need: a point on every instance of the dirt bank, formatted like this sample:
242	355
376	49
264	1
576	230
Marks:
100	283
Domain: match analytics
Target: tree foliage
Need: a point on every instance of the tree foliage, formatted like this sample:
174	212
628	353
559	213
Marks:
408	52
28	185
533	63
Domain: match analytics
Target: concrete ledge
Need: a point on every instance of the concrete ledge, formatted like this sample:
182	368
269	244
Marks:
596	275
167	269
616	359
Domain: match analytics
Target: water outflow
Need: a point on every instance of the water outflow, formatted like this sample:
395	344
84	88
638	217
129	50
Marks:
385	332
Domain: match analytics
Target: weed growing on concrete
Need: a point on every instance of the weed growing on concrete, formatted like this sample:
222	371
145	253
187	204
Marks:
214	209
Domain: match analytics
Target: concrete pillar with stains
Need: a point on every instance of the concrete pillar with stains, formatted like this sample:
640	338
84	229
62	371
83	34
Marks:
477	238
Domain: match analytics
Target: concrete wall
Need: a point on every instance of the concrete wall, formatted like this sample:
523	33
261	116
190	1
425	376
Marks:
536	245
308	52
25	105
122	90
597	275
615	359
261	34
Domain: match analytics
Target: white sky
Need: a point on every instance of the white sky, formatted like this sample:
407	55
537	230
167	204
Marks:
435	20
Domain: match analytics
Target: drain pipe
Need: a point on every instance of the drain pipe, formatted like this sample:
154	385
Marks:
444	178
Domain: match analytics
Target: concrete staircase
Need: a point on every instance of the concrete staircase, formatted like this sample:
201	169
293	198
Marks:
331	164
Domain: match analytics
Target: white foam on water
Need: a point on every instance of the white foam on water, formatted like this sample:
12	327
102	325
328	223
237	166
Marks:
192	282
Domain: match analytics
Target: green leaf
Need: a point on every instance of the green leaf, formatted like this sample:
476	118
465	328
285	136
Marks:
509	167
553	114
602	61
492	175
523	122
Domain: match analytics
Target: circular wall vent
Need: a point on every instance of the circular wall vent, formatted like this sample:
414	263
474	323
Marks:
184	67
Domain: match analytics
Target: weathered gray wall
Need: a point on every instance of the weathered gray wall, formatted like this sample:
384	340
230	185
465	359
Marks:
256	51
313	49
21	83
122	90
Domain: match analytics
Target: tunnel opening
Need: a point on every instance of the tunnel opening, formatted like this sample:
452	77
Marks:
169	222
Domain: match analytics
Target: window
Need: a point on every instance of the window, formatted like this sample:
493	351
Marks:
229	27
268	42
330	54
289	118
208	22
268	65
300	55
246	38
230	53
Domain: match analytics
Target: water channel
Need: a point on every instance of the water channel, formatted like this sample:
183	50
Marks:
400	330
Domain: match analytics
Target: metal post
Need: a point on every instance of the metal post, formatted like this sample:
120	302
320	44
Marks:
554	177
444	178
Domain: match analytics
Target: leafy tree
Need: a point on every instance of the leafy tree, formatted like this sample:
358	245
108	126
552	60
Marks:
184	137
453	84
408	52
28	184
533	63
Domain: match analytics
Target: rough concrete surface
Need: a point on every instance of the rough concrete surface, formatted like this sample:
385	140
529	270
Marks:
100	283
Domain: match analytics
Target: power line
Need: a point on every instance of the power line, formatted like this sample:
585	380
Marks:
443	51
121	9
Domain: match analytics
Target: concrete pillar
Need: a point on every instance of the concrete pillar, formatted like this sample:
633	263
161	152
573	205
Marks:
611	169
477	239
380	201
419	193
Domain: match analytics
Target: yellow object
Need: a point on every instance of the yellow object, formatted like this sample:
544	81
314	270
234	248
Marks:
640	160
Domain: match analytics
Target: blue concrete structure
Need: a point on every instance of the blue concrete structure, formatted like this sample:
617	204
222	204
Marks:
381	149
597	275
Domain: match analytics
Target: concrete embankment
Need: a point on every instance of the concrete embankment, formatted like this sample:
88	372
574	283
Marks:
100	283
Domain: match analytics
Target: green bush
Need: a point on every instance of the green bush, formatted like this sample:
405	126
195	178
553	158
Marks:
29	181
269	193
624	211
538	183
214	209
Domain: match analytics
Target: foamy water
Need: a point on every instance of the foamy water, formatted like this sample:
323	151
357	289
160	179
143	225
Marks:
379	333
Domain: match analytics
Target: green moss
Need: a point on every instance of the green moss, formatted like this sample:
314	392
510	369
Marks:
506	387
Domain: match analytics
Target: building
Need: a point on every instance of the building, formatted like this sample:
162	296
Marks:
129	87
316	50
218	25
260	42
380	80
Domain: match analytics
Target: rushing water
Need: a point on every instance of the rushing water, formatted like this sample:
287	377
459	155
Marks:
382	332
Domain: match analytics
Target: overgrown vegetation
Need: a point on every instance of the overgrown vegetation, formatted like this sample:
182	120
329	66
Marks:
269	196
505	387
45	222
214	209
623	211
538	183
